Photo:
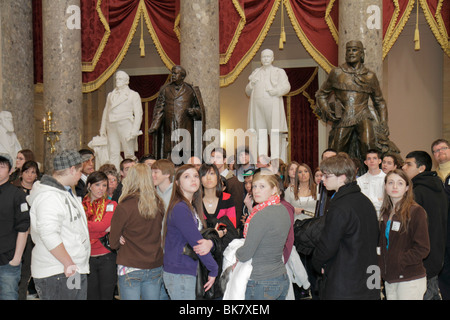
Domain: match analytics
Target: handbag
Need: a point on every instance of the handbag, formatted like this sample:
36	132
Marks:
105	242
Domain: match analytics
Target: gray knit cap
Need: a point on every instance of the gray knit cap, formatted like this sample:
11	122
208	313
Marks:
66	159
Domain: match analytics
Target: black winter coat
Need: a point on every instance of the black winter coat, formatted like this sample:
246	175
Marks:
348	247
430	194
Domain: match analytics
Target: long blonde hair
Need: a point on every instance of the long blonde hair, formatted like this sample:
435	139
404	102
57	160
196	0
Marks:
139	183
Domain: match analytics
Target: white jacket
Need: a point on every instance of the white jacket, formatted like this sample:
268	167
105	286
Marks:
238	278
57	217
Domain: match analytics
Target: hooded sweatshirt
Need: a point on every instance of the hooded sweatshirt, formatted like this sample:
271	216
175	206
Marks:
57	217
429	193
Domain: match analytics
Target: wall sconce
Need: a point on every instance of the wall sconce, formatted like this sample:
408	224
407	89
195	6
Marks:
52	135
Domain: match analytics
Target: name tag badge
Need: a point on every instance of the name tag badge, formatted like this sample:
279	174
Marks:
110	207
24	207
395	226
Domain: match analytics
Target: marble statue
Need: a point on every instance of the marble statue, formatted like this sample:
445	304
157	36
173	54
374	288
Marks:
343	100
266	87
121	121
8	139
178	106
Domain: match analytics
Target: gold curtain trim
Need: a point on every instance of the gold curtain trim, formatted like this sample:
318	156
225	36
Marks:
225	57
176	27
315	54
89	66
394	30
330	23
162	53
94	85
436	24
228	79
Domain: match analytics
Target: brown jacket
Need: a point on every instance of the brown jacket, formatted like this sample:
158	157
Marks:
142	248
403	260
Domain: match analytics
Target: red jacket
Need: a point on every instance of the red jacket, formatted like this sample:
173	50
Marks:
97	226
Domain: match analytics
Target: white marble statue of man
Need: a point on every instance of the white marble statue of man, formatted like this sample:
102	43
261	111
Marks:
8	139
121	121
266	88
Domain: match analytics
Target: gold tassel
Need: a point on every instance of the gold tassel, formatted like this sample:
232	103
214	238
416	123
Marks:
142	44
283	33
416	32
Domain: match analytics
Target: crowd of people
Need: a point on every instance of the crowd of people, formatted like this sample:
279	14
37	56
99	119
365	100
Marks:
226	228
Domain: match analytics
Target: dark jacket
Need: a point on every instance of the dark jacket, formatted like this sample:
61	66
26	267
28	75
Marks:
429	193
403	259
348	246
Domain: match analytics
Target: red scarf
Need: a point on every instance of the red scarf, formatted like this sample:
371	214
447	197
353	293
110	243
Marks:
95	209
271	201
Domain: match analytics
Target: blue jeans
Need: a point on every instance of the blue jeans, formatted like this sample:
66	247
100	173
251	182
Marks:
9	282
180	286
142	284
269	289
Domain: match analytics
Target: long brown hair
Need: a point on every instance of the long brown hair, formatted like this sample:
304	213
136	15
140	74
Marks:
403	207
178	196
311	183
287	179
139	183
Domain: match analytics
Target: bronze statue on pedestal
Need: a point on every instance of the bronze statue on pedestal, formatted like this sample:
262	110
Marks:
178	106
343	100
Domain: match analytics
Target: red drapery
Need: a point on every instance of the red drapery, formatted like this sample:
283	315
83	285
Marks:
437	13
148	88
109	26
303	123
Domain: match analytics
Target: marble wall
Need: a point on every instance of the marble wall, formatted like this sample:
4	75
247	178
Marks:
16	66
199	25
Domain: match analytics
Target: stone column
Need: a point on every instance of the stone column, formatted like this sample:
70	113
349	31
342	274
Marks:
363	20
16	67
199	27
62	72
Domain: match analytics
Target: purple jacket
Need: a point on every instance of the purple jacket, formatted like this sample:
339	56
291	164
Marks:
182	229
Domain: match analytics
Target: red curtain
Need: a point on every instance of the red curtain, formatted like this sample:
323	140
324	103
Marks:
148	88
308	19
437	13
109	26
303	123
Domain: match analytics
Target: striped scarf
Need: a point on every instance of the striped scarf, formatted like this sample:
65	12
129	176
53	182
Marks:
271	201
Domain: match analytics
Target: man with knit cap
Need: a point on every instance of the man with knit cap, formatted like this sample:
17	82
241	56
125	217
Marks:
60	258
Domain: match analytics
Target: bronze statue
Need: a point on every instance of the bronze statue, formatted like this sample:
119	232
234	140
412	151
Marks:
178	106
355	127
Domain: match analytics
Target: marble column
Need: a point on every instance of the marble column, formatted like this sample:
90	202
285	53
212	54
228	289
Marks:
199	28
363	20
62	72
16	67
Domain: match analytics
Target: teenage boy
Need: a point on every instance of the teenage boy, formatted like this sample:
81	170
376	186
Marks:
60	257
14	226
347	245
163	171
429	193
372	182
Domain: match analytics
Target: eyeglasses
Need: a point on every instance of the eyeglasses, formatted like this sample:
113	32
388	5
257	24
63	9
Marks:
328	175
439	150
